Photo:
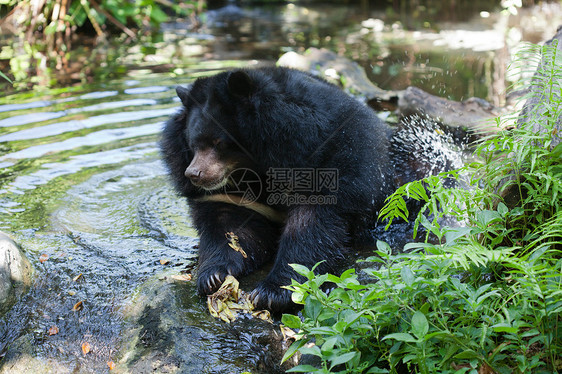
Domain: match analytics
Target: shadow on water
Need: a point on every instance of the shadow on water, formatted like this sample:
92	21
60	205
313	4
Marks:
81	181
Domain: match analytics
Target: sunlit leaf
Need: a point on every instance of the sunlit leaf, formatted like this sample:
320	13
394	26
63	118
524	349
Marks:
78	306
420	326
53	330
86	347
293	349
181	277
401	336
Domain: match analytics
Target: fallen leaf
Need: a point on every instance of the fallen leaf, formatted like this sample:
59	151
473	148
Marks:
287	332
182	277
111	365
44	257
229	300
77	277
53	330
485	369
233	243
78	306
262	314
164	261
72	293
86	347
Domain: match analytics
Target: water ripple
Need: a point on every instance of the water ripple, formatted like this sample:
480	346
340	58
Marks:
95	138
52	170
74	125
25	119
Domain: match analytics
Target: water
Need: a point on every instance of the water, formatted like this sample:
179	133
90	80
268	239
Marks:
95	199
81	181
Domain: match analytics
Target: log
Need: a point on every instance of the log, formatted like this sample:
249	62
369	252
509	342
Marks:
339	70
473	114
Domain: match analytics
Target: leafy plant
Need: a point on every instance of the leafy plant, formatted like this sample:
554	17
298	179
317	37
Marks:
46	30
484	295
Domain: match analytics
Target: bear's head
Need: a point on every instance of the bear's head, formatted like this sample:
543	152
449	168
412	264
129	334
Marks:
212	130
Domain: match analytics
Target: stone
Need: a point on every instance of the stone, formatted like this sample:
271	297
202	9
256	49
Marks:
15	272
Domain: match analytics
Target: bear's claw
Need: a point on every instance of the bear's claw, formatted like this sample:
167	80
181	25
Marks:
209	282
271	297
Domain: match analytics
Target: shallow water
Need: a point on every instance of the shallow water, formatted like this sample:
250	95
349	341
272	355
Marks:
88	189
81	181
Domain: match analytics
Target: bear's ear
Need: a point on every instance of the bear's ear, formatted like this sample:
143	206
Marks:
183	94
240	84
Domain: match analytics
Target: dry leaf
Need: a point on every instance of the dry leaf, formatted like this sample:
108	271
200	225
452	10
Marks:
78	306
229	300
233	243
44	257
53	330
181	277
86	347
164	261
263	314
72	293
111	365
77	277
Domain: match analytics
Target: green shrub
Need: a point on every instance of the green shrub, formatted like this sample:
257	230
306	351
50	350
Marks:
486	295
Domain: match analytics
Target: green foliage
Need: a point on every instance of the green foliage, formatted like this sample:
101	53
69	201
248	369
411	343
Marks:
485	296
45	32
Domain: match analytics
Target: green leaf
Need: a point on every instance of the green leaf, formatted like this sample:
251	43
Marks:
502	209
383	247
341	359
501	327
487	217
302	270
314	351
420	327
293	349
5	77
452	235
401	336
329	344
467	355
303	369
407	275
291	321
377	370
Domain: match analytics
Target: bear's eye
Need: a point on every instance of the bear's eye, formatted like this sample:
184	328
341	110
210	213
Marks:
217	142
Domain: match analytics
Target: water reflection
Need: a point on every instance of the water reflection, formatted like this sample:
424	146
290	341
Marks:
95	138
104	119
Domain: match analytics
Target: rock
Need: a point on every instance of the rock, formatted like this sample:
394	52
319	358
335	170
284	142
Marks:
337	69
171	331
15	272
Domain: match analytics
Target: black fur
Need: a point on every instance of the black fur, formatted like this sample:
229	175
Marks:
278	118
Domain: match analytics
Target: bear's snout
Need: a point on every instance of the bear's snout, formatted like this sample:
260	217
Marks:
206	170
193	174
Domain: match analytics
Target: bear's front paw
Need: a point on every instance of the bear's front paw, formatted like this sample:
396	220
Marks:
210	279
270	295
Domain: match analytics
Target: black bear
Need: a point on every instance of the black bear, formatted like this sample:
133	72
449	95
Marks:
277	165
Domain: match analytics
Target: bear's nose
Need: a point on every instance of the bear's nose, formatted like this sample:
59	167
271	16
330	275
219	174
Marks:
193	174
